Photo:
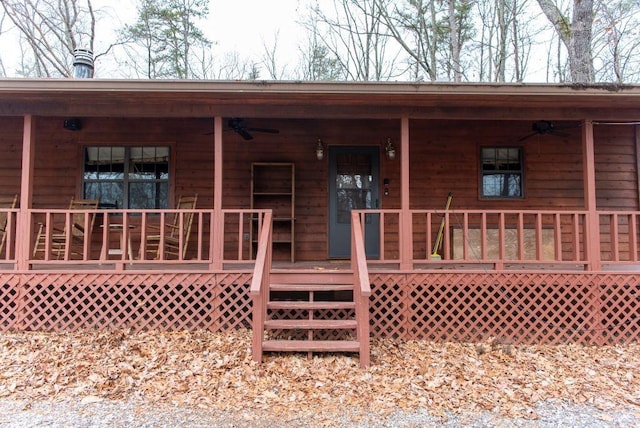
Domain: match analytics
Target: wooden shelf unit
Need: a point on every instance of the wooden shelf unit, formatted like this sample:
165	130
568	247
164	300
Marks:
273	187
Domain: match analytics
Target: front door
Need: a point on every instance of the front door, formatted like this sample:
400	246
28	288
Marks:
353	185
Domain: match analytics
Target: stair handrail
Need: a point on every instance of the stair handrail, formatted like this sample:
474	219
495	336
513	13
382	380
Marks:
362	287
259	289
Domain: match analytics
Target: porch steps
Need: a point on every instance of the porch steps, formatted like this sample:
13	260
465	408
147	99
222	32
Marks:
311	346
295	324
312	313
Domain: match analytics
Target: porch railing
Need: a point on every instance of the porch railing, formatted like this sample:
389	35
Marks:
138	239
619	237
502	239
493	239
361	288
8	222
259	288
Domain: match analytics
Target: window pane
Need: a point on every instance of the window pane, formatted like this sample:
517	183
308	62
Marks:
149	163
147	195
104	163
105	192
353	185
501	172
114	175
502	185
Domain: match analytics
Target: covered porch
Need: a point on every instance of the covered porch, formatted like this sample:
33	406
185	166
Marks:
550	256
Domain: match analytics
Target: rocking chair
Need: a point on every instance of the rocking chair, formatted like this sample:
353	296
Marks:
6	202
58	244
175	231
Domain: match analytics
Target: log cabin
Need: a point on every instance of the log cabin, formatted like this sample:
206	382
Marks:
322	214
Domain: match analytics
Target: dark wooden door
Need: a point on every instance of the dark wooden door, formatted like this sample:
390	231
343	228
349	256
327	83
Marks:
353	185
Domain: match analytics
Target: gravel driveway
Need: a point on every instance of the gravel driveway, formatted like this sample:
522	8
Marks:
113	414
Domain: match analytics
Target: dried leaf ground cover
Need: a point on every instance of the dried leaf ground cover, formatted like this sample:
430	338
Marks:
215	371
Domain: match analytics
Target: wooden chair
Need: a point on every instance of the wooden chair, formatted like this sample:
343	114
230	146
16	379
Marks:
6	202
58	245
173	232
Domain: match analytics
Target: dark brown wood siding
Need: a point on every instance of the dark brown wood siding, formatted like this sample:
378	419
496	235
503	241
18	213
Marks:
616	167
444	158
58	159
11	158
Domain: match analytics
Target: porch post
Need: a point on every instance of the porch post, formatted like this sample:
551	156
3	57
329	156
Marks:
592	238
217	240
637	146
26	194
406	235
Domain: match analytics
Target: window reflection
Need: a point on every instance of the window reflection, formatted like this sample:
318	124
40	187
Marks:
354	180
127	177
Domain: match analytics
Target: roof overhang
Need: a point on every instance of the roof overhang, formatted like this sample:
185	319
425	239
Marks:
167	98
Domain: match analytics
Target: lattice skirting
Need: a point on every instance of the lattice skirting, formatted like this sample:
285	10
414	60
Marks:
515	307
592	308
168	301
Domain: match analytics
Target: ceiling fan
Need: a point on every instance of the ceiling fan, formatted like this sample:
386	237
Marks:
238	125
544	127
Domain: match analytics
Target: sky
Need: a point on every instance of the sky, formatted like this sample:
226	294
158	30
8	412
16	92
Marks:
242	26
233	25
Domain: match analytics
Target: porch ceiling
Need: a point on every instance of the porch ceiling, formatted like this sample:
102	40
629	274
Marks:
153	98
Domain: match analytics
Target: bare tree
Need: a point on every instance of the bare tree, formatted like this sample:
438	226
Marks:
575	32
414	25
353	34
317	63
52	30
3	71
617	41
431	33
505	40
270	59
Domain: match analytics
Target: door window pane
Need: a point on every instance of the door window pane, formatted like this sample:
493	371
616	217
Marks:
353	185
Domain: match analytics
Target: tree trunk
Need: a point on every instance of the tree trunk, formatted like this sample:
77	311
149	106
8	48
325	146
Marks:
576	36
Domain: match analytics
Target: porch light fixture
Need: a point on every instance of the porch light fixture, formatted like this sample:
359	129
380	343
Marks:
319	150
73	124
390	150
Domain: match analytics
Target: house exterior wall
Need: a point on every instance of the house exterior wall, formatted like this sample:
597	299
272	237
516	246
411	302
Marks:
11	159
616	167
444	157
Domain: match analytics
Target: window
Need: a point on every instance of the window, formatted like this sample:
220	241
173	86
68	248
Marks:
127	176
501	169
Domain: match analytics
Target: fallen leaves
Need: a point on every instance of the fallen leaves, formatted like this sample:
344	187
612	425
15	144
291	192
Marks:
215	371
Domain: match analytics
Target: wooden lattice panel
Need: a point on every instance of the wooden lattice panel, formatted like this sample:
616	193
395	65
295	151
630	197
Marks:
9	292
168	301
518	307
515	307
619	316
233	302
387	306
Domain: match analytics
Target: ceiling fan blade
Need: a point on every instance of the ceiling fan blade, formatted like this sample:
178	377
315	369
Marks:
244	133
528	136
266	130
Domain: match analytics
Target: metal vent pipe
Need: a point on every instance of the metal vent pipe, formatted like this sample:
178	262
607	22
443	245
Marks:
83	64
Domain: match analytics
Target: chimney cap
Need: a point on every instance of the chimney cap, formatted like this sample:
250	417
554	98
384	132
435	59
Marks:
83	63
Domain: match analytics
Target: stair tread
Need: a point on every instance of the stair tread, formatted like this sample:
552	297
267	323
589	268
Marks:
292	304
309	287
289	324
311	345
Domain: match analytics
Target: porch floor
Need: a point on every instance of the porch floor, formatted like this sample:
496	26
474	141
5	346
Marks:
321	266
